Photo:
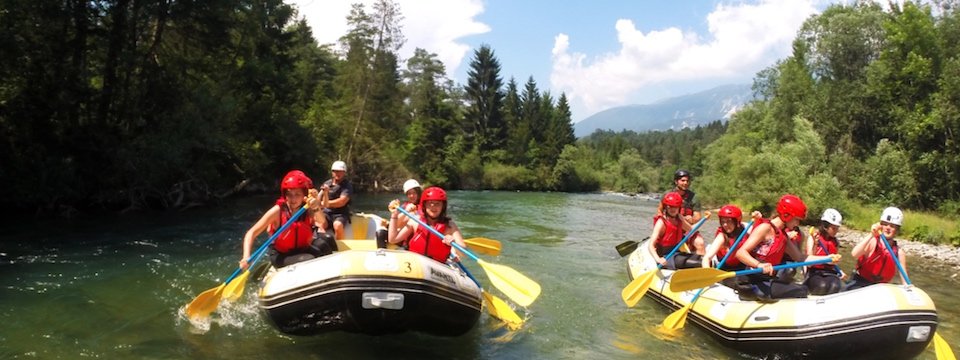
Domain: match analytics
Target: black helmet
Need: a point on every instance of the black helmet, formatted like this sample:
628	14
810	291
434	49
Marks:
679	174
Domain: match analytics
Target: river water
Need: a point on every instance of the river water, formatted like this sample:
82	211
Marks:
115	287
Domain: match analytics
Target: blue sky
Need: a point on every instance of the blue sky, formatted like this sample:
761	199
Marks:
600	53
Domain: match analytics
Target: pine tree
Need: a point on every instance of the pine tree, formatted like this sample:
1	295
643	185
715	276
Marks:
485	98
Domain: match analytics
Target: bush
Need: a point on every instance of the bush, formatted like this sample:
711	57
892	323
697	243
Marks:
497	176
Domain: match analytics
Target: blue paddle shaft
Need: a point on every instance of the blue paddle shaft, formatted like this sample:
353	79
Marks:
437	233
683	241
896	259
263	248
735	244
722	261
783	266
826	251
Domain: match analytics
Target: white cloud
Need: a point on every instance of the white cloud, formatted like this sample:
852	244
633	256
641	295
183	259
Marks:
743	38
433	25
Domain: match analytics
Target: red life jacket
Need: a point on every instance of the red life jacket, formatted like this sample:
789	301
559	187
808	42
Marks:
687	208
878	267
427	243
297	236
732	261
771	251
672	233
819	241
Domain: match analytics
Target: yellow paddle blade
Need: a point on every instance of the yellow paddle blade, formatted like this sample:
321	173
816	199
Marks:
205	303
234	289
484	245
689	279
676	319
942	348
500	310
634	291
513	284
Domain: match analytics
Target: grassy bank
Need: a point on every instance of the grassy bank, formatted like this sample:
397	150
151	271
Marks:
926	227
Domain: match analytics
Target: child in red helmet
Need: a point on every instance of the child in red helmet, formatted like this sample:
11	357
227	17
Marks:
731	226
766	247
433	212
668	231
299	241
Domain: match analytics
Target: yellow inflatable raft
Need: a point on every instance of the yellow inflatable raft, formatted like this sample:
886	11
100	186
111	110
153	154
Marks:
363	289
883	321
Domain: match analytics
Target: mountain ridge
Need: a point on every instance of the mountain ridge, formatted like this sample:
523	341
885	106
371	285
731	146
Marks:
671	113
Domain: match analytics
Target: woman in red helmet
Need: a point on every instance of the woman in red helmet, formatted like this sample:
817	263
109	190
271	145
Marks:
668	230
766	247
433	207
731	226
298	242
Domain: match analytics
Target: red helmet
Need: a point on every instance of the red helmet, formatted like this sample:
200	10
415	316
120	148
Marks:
672	199
433	193
790	206
295	179
731	211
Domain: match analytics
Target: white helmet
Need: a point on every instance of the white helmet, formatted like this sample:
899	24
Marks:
410	184
338	166
832	216
892	215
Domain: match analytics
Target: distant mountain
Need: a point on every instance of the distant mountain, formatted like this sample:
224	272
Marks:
673	113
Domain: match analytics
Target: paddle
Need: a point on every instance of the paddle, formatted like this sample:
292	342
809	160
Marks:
632	293
484	245
627	248
207	301
940	345
515	285
676	320
689	279
496	306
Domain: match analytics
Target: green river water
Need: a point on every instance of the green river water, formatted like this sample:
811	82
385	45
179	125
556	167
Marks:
115	287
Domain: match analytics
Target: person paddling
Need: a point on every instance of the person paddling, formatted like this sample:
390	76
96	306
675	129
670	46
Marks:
766	247
668	230
433	205
874	263
731	226
825	279
299	241
690	208
413	190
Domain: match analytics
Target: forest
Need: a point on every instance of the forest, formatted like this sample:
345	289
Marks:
118	105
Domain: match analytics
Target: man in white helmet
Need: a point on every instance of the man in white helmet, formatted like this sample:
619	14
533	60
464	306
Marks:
340	190
875	264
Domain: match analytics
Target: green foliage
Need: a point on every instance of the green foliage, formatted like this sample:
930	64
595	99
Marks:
575	170
631	174
219	93
484	92
889	176
497	176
